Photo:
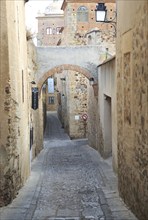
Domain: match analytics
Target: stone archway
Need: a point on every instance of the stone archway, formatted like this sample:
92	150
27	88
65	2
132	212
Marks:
60	68
70	114
50	60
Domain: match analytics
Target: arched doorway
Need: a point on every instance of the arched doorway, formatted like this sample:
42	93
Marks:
59	69
70	84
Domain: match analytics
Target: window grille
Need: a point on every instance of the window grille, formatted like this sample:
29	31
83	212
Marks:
51	100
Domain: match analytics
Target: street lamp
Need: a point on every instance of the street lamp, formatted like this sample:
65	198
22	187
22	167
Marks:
63	79
101	12
101	15
34	90
91	81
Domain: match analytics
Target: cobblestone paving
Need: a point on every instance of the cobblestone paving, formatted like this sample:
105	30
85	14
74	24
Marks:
69	181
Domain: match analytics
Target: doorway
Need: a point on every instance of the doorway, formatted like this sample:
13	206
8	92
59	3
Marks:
107	127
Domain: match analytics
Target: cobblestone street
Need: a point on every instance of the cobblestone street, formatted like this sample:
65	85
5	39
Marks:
69	180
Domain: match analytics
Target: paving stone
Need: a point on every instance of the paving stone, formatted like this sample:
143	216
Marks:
123	215
116	204
13	214
69	181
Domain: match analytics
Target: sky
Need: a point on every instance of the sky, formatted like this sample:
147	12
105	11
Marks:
31	10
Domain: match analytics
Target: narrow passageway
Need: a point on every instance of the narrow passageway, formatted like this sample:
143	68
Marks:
54	129
69	180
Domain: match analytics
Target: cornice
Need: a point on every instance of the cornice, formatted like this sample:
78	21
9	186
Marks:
65	2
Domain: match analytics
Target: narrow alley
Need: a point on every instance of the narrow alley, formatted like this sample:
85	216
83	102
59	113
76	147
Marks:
69	180
74	110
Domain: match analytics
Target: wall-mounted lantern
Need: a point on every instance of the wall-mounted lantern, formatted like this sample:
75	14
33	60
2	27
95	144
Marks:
63	79
91	81
35	98
101	12
26	1
31	136
33	82
101	15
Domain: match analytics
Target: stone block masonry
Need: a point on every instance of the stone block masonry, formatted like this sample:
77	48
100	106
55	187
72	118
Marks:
15	109
77	104
14	140
132	105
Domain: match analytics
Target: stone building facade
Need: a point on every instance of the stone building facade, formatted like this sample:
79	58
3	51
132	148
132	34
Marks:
15	164
79	26
102	135
94	137
49	29
123	86
80	22
77	104
107	109
16	73
50	26
36	117
129	83
132	105
73	104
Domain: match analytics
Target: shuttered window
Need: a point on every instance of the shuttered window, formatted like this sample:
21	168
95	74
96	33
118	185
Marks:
82	14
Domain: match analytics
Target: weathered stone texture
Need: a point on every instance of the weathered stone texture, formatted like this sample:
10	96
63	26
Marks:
107	109
53	22
78	58
14	141
78	104
75	31
79	33
36	117
73	104
132	106
15	94
95	137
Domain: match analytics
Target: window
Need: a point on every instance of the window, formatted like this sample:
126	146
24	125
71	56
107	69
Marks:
82	14
58	29
51	100
54	31
49	30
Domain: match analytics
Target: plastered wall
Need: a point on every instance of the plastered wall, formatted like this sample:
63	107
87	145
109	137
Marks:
17	69
14	139
132	104
107	105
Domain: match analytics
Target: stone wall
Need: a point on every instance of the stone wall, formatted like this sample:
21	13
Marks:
102	134
78	33
107	109
77	104
75	31
52	36
37	123
74	102
95	137
73	96
132	105
18	64
14	129
36	117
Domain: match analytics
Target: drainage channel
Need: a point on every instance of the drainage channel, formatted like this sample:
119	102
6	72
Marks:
63	218
76	218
